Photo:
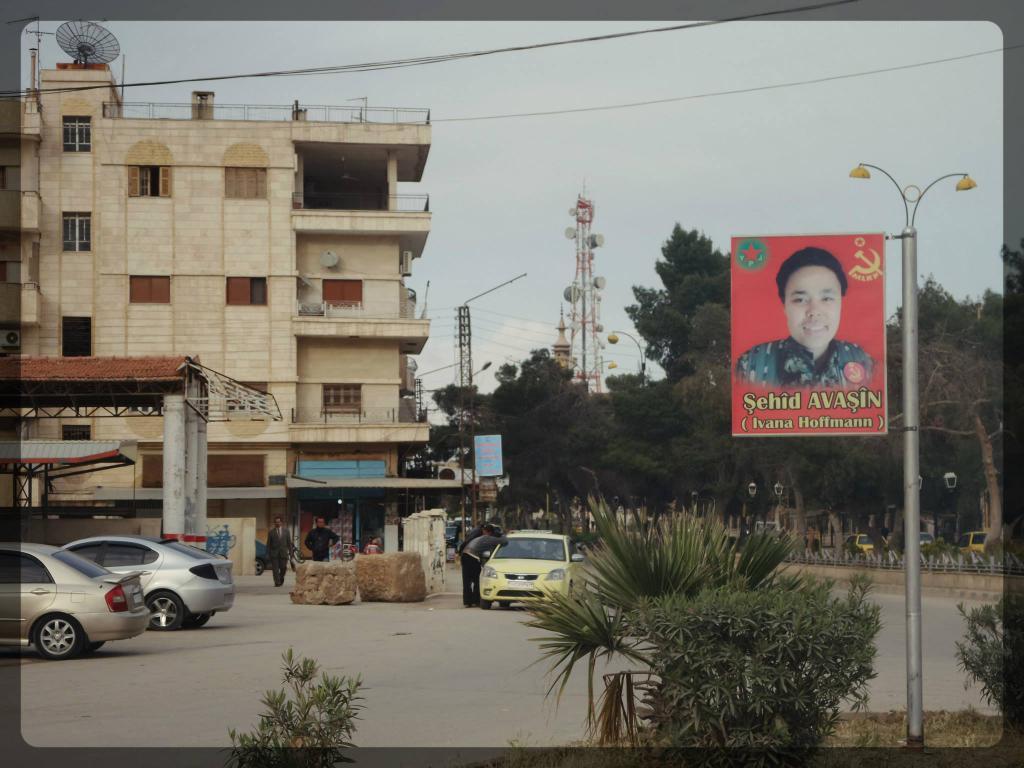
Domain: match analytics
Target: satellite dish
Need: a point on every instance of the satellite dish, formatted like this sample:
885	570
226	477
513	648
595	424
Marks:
600	283
87	43
329	259
571	294
596	241
599	328
570	232
572	212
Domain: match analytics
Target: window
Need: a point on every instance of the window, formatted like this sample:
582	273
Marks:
247	290
77	134
79	563
76	432
245	183
76	336
119	554
3	271
3	177
77	231
152	289
343	293
149	181
91	551
342	398
19	568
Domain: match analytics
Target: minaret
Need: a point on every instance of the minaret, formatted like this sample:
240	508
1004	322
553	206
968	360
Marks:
562	349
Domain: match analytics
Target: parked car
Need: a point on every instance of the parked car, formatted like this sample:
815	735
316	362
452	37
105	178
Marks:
529	567
972	542
262	561
862	542
184	586
63	604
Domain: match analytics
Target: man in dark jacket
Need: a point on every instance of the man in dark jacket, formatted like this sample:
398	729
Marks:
279	549
471	561
320	539
470	569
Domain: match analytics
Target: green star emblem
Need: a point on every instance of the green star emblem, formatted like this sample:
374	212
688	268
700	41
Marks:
752	254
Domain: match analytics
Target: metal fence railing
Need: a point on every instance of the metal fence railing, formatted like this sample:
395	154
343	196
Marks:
356	310
273	112
1007	565
359	415
365	201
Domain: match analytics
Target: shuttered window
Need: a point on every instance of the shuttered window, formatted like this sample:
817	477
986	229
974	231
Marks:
150	289
76	432
76	336
149	181
342	398
343	292
247	290
235	470
245	183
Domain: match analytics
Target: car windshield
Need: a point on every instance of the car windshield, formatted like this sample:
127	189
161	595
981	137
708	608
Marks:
80	564
979	538
531	549
185	549
864	539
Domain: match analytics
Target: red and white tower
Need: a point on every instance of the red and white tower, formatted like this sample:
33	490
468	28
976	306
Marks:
584	296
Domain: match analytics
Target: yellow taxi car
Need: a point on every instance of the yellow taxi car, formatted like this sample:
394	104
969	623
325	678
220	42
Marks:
972	542
862	542
531	565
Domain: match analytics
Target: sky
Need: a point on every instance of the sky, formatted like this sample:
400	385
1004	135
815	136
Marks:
768	162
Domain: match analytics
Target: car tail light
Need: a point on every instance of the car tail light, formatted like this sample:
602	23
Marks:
205	571
117	600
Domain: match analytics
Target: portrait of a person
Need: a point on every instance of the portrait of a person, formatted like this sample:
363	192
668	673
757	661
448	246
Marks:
811	284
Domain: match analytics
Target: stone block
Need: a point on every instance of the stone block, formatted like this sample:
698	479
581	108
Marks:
395	577
318	583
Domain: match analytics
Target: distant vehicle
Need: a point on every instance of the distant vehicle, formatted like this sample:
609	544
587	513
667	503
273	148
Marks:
63	604
927	538
184	586
972	542
262	561
529	567
862	542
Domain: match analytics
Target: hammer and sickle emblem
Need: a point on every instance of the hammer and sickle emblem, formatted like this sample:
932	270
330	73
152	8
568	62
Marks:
869	268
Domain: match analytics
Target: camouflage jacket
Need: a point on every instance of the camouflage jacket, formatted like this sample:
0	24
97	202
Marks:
787	363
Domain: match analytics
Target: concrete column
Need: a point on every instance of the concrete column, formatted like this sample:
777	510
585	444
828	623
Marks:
392	181
191	471
201	479
174	466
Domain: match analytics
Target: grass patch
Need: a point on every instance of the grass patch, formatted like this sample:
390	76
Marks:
965	728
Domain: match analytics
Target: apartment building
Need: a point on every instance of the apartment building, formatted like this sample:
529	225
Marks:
271	244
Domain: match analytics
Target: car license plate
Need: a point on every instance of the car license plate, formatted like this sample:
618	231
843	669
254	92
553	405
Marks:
520	585
136	598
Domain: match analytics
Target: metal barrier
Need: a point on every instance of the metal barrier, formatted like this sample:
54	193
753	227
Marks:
404	310
364	201
367	415
272	112
1009	565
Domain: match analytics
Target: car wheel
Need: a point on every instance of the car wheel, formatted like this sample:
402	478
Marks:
59	637
196	620
93	647
485	604
260	567
166	610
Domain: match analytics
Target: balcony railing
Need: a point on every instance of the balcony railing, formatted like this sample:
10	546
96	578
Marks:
363	201
356	310
405	414
317	113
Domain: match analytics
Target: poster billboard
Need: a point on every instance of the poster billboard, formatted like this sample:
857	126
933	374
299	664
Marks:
808	335
487	452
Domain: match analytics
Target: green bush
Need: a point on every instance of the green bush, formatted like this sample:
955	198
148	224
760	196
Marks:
938	548
992	654
310	729
763	670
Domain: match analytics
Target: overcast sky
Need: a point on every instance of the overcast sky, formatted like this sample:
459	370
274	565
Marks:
770	162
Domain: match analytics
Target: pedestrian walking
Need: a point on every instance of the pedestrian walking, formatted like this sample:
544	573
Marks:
279	549
319	540
472	562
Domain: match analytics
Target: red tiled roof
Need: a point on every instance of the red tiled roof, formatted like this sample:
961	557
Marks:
91	368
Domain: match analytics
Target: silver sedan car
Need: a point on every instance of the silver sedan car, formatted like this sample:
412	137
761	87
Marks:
63	604
184	586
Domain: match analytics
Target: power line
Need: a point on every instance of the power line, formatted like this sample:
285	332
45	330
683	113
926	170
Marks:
731	92
440	58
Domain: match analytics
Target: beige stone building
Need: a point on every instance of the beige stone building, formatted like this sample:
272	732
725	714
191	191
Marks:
270	243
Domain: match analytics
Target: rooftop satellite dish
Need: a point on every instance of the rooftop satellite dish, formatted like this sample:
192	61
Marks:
87	43
570	232
329	259
600	283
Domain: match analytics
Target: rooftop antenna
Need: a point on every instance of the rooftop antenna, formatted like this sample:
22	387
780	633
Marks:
34	51
87	42
363	109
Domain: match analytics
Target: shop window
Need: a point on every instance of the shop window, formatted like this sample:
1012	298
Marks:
76	336
247	290
77	134
149	181
149	289
76	432
245	183
77	231
343	293
342	398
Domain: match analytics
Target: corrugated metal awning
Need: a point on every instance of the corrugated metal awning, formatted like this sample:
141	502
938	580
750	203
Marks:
64	451
108	493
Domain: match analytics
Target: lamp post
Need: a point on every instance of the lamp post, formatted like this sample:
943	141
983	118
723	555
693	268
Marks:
950	480
613	338
472	427
912	195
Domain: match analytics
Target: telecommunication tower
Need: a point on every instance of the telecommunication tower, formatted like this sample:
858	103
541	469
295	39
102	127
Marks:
584	297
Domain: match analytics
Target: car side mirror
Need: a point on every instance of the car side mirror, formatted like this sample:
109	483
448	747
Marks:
577	558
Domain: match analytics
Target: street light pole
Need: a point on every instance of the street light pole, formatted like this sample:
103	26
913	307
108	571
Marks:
912	195
613	338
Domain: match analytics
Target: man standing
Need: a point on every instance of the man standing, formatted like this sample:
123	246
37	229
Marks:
320	539
279	548
470	570
472	562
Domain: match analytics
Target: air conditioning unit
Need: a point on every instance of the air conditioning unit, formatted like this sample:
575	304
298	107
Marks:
11	339
405	263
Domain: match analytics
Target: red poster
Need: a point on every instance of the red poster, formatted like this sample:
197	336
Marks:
808	335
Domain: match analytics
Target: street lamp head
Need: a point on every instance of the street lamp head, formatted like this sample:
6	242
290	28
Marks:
860	172
752	490
613	338
965	184
613	364
486	366
778	489
950	478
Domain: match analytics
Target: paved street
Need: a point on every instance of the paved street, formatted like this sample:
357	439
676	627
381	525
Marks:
436	674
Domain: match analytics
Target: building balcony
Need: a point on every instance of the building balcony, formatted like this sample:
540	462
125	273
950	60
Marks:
19	210
408	220
391	320
368	424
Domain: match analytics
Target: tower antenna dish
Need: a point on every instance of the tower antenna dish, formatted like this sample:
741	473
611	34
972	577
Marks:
87	43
